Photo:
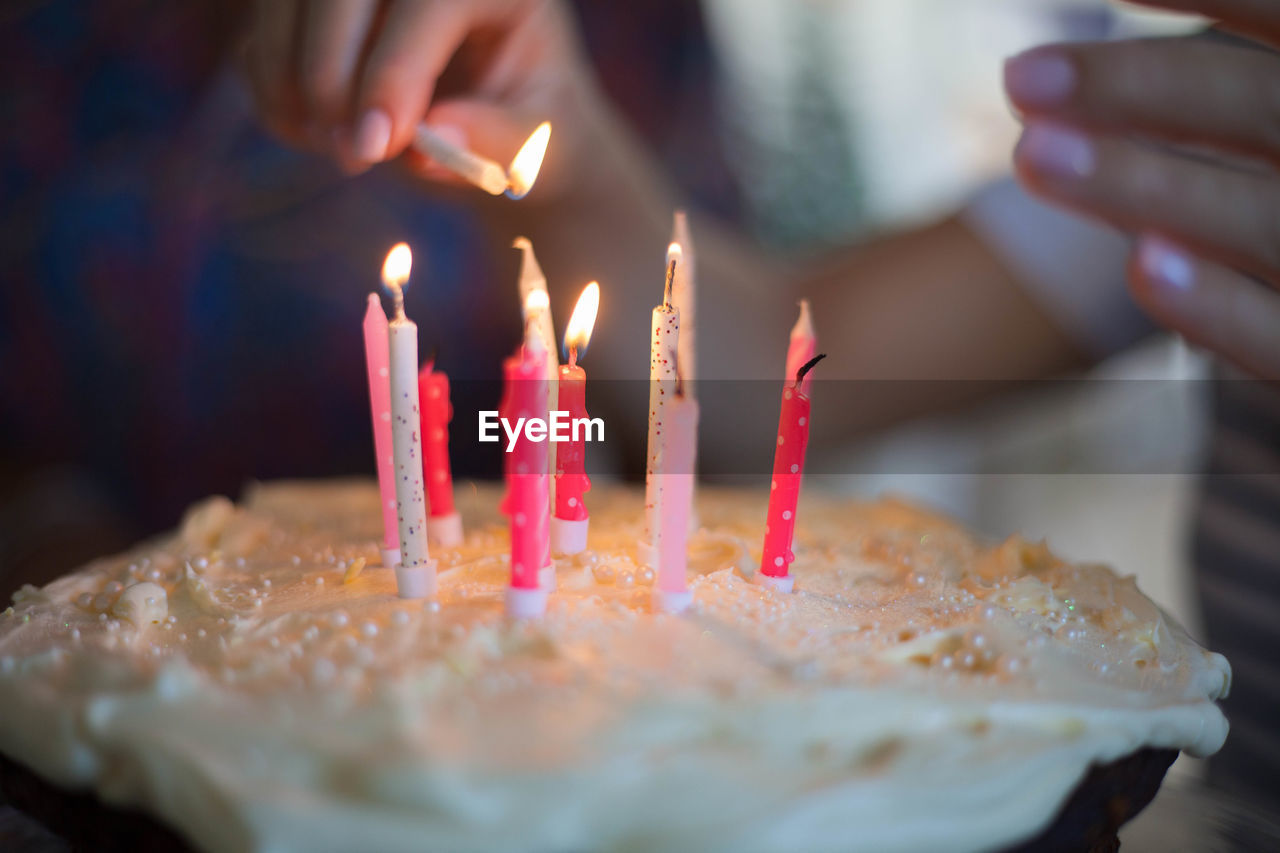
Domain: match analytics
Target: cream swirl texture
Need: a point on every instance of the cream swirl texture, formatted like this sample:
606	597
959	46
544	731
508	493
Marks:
923	688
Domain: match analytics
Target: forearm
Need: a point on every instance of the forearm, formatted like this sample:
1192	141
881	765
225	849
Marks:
933	317
934	303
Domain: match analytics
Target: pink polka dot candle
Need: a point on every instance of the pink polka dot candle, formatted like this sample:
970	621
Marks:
788	459
527	500
378	362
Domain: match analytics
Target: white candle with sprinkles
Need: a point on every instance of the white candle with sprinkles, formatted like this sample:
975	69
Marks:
416	573
664	340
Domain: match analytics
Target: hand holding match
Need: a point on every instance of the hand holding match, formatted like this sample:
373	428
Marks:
515	181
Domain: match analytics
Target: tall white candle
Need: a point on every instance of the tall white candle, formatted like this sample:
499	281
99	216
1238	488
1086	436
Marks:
663	378
416	574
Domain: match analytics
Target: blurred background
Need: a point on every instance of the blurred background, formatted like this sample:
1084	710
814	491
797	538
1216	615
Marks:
180	292
180	296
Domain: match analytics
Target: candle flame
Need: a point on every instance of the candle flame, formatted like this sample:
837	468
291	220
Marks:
583	320
674	253
523	171
395	269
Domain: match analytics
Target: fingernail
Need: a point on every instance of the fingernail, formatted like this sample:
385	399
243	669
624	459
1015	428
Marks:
1039	78
1058	151
449	133
372	137
1165	264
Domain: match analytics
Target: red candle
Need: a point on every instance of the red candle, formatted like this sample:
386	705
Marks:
572	481
444	525
788	469
525	465
570	524
433	390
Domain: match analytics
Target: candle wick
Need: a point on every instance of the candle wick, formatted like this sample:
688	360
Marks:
671	276
397	299
808	365
573	356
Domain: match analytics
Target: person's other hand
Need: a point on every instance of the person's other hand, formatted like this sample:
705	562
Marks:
353	78
1122	131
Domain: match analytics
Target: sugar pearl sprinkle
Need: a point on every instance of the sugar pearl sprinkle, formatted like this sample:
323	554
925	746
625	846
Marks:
883	594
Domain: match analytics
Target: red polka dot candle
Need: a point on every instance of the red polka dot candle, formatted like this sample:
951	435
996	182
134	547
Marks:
444	524
788	461
570	522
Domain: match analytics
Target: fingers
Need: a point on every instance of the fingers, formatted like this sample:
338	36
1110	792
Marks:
1231	216
1260	18
332	38
1212	305
491	130
268	62
414	46
355	77
1176	89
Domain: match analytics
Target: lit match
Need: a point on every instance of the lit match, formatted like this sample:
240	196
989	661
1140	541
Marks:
515	181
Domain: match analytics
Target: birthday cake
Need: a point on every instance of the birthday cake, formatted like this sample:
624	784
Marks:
252	682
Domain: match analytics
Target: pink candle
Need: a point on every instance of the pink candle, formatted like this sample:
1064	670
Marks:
378	361
671	590
526	502
784	490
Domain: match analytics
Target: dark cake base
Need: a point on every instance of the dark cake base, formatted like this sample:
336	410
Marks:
1104	800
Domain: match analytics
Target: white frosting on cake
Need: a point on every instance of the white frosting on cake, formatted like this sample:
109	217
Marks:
921	689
